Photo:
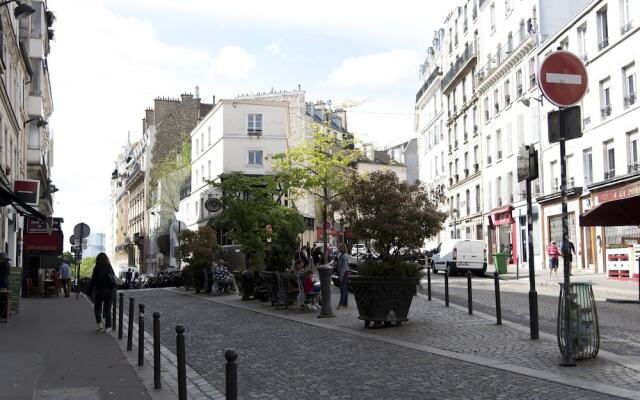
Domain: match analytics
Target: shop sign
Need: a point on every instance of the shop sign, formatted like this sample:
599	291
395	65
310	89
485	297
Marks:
619	193
37	226
27	190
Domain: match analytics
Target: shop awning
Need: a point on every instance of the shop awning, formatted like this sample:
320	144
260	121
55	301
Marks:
621	212
8	197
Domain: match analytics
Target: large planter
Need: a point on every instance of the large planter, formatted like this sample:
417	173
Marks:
383	300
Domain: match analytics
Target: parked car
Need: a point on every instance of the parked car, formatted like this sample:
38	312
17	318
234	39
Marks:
460	255
358	249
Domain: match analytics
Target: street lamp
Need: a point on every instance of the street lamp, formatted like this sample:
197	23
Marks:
455	214
22	10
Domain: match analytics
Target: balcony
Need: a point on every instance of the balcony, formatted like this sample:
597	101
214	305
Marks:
504	59
633	167
603	43
496	108
463	62
134	174
488	160
507	100
466	172
425	86
609	174
629	100
476	168
457	177
626	27
519	90
605	111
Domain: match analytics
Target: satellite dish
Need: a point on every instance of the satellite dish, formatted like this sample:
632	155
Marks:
213	204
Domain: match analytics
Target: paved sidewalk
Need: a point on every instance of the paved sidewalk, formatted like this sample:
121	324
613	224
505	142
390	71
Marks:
50	351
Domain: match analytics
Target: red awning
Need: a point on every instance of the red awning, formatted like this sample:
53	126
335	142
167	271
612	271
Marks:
622	212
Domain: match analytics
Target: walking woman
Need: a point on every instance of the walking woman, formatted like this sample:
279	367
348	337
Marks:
343	273
554	253
103	281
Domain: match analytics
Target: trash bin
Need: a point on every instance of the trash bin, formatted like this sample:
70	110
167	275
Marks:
585	333
500	260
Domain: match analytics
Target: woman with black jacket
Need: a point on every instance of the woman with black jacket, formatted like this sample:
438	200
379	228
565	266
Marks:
103	281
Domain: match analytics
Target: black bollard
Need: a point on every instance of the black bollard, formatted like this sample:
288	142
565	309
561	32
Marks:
157	383
498	310
469	298
182	364
232	375
113	312
446	287
324	271
429	283
130	325
121	314
140	335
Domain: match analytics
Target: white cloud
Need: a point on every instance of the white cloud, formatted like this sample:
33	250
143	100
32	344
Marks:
374	70
273	48
233	62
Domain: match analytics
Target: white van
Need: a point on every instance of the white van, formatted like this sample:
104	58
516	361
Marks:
460	255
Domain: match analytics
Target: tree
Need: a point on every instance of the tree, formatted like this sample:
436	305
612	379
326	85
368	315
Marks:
320	167
197	248
86	267
169	175
393	214
250	204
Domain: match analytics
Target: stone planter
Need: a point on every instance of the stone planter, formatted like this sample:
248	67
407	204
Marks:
383	300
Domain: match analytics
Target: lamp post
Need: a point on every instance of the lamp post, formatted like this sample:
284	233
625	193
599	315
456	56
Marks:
455	214
22	10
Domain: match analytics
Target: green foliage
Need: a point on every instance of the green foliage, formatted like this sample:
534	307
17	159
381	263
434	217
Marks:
171	172
250	204
393	214
86	267
390	269
197	248
67	257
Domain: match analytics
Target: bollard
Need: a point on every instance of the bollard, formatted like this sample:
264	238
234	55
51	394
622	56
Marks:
429	283
324	271
130	325
121	314
469	298
113	312
182	369
140	335
498	310
446	287
157	383
232	375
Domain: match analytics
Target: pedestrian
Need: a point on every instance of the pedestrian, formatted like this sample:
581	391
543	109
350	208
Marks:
65	277
568	252
127	277
554	253
316	253
103	281
343	276
5	268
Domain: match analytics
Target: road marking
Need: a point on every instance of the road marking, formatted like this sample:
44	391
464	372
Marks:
567	79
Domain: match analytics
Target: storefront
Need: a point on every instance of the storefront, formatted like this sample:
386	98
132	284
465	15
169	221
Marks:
42	247
614	223
502	233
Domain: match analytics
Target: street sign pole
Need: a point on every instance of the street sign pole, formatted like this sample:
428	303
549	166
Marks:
568	360
533	295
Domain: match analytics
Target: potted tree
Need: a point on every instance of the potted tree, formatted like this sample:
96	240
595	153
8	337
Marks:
197	248
396	217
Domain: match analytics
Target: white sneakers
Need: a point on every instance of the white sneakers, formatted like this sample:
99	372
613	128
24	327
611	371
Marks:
100	327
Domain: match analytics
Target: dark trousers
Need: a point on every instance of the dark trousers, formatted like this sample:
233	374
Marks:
102	305
344	292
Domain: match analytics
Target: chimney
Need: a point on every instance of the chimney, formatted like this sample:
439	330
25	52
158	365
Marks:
197	92
149	118
214	100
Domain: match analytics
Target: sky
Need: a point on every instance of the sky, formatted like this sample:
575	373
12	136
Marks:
111	58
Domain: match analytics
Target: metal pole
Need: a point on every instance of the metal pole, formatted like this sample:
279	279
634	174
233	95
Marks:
324	271
496	281
231	375
182	365
533	295
140	335
130	325
638	280
121	314
429	283
469	295
157	382
113	311
446	287
568	360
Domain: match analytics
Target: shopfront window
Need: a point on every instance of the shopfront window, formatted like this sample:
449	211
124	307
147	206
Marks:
555	228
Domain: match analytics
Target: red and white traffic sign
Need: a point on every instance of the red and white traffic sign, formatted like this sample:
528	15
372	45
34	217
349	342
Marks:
563	78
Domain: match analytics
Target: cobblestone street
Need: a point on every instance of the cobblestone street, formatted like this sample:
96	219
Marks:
299	356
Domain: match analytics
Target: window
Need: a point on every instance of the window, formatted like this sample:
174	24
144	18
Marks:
450	172
196	178
209	135
519	89
507	7
36	69
36	22
492	16
532	73
520	130
521	34
202	141
457	171
507	92
553	176
603	29
488	149
609	160
570	169
625	16
582	41
487	114
466	164
254	124
197	146
442	162
209	169
464	128
196	208
587	166
633	147
202	171
509	149
496	102
499	190
605	98
201	207
498	145
510	187
629	76
564	43
255	157
468	202
475	120
477	198
476	167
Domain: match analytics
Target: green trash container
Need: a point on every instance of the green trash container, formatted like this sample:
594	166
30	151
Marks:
500	260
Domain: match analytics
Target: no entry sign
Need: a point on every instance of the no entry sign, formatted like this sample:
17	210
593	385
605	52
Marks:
563	78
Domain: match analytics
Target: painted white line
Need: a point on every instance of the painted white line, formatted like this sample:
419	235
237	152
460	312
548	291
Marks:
568	79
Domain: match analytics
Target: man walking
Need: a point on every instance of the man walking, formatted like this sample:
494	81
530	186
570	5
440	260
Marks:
65	277
568	251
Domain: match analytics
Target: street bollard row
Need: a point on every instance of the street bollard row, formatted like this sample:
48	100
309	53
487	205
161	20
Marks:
498	308
446	287
469	298
429	283
231	370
